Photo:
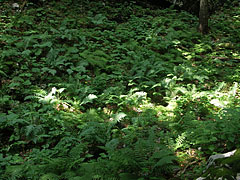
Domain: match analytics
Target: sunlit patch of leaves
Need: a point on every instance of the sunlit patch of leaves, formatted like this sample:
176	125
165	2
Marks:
103	90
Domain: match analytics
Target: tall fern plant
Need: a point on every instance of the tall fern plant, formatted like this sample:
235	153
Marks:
145	157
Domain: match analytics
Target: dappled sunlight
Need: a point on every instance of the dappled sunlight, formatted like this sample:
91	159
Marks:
115	90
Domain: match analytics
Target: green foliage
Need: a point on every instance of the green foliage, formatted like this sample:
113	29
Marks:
114	90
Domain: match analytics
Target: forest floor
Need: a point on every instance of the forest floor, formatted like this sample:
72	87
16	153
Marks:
106	90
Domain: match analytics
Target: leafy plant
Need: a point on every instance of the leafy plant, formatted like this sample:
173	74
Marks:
115	90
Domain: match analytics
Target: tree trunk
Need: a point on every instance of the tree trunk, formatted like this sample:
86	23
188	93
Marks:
203	17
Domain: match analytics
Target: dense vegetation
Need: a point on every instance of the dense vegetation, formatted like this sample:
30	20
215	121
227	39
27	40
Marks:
106	90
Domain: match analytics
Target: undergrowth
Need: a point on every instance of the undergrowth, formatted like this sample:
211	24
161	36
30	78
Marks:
103	90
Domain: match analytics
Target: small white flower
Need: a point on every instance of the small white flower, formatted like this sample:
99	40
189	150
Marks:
15	5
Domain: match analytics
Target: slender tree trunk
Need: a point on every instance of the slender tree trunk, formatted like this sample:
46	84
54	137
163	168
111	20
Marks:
203	17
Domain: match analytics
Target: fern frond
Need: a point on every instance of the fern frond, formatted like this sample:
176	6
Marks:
49	176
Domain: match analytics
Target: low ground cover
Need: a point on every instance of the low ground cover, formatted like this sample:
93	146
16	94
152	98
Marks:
103	90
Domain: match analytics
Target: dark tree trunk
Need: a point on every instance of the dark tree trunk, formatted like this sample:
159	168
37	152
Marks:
203	17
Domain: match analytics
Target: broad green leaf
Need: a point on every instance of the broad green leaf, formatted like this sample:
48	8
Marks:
88	99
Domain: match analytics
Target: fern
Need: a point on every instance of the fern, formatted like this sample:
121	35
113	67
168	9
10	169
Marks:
14	172
96	58
49	176
180	141
143	158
